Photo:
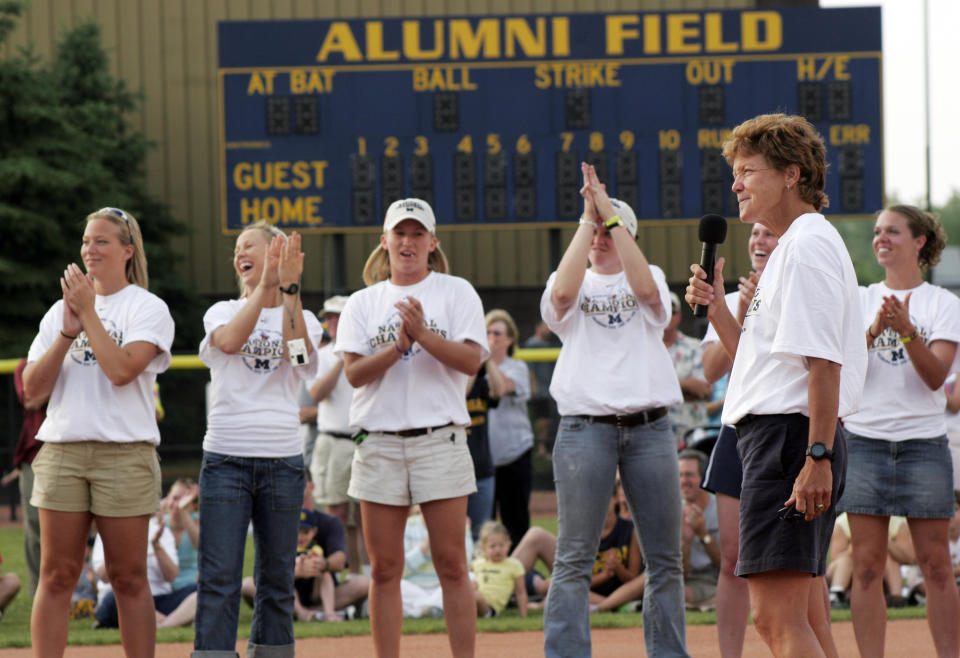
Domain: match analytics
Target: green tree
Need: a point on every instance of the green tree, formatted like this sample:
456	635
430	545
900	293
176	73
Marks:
66	149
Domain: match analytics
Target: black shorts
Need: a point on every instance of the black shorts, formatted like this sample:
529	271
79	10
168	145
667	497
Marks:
773	450
724	472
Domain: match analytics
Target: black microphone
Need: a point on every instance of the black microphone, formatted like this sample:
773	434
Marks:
713	231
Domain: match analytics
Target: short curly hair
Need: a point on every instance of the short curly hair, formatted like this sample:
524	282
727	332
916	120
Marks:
926	224
784	140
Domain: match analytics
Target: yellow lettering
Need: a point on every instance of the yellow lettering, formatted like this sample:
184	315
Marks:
541	73
680	29
261	83
577	74
277	175
467	44
301	174
619	29
311	81
709	138
443	79
280	181
412	49
714	32
709	71
669	139
319	167
651	34
561	36
339	39
517	32
751	23
242	176
840	71
375	51
284	211
806	68
847	133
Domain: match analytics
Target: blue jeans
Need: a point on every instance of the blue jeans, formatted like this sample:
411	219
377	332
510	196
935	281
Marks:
234	491
480	505
585	460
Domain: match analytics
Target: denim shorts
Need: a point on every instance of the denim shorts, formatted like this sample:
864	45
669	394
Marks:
724	472
912	478
773	451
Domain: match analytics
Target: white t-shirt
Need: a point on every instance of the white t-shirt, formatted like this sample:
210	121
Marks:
508	423
613	360
897	405
253	406
158	586
333	411
84	405
732	299
806	305
418	390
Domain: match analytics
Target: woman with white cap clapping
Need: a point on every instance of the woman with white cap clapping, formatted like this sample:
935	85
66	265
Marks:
409	341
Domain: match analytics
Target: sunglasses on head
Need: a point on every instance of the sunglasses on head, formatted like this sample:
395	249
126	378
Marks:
116	212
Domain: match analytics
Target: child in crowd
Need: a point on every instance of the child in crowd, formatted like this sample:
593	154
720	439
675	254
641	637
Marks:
497	573
313	580
84	598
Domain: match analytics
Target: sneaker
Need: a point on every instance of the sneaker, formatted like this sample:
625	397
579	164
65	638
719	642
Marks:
636	606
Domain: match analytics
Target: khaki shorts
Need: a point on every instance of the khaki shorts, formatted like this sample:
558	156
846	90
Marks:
393	470
330	469
104	478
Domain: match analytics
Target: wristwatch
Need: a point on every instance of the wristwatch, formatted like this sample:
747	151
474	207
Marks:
292	289
819	450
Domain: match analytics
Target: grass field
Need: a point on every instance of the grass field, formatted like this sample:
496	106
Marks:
15	626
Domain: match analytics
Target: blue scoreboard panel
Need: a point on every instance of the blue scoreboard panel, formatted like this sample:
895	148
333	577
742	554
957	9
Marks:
325	122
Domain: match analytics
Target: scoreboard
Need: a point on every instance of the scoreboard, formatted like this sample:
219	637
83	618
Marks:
323	123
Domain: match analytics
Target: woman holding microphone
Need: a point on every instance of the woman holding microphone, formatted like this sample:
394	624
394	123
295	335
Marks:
899	461
258	348
97	356
410	341
613	382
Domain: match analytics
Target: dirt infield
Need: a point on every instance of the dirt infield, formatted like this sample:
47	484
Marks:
908	637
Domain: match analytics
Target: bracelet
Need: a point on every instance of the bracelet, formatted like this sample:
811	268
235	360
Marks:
587	222
613	221
907	339
870	332
67	336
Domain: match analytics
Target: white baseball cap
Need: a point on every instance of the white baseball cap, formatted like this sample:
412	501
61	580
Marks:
627	215
417	209
334	304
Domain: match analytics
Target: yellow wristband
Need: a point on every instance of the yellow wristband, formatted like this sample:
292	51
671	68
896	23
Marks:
613	221
907	339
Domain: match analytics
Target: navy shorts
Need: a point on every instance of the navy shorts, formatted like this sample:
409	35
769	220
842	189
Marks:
912	478
724	472
773	451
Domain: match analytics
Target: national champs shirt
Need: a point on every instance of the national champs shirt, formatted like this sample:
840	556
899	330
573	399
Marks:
897	405
253	409
418	390
84	404
613	360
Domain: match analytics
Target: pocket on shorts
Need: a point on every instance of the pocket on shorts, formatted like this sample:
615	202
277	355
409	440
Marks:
46	470
150	462
286	483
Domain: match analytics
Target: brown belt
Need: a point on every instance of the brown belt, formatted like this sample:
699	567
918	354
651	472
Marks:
630	420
